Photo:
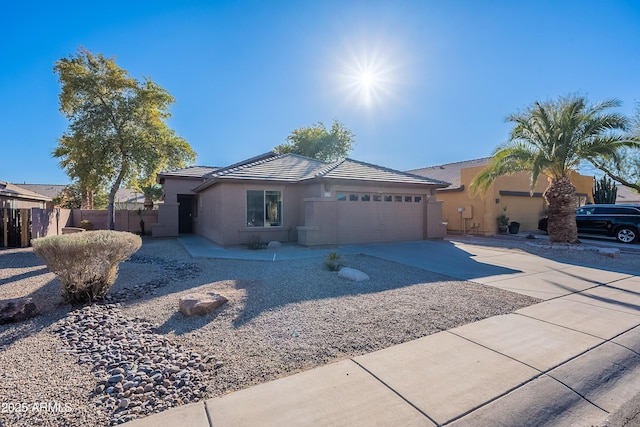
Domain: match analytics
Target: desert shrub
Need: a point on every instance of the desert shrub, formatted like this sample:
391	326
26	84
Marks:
86	224
255	242
333	261
86	263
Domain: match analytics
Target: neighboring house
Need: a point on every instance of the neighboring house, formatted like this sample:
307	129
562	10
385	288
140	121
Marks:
508	194
17	197
126	198
626	195
291	198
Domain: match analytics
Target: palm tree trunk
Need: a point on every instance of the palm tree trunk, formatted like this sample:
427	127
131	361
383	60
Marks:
561	199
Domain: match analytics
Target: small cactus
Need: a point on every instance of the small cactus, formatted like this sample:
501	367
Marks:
604	191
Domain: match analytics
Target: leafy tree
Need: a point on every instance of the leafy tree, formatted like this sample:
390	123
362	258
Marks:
73	197
625	168
552	138
82	162
117	131
69	198
317	142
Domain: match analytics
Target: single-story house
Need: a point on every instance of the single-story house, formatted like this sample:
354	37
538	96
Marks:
508	195
16	197
291	198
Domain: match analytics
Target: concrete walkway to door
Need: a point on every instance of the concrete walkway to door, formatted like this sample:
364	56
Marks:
572	359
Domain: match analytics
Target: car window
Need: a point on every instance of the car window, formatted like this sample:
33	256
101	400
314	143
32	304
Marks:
584	210
628	211
606	211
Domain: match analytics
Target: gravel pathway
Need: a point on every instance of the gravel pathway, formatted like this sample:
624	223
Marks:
135	354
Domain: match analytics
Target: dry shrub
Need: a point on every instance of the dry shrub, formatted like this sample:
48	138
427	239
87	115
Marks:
87	225
86	263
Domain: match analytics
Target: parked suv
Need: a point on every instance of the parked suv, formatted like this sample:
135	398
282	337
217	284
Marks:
619	221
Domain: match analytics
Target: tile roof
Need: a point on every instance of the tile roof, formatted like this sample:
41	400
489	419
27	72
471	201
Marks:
49	190
189	172
285	167
450	172
17	192
295	168
360	171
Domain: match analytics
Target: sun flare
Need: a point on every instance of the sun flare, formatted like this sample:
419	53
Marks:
367	76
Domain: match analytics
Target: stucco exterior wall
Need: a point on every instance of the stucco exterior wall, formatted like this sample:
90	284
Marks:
21	203
311	215
168	219
222	216
511	192
175	186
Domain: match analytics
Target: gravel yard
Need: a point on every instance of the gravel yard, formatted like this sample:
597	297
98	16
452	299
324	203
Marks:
136	354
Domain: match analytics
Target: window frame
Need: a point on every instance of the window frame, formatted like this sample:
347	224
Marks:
265	220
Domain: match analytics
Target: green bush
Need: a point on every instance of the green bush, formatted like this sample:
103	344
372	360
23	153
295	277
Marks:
333	261
86	263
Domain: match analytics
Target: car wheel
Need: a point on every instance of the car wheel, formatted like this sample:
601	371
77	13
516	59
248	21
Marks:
626	235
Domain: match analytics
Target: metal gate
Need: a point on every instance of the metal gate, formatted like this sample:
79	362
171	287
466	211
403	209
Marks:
15	228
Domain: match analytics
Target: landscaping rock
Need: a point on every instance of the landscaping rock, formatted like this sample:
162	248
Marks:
124	390
274	245
610	252
352	274
200	304
17	309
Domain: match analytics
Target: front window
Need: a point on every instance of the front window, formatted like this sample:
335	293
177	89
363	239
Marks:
264	208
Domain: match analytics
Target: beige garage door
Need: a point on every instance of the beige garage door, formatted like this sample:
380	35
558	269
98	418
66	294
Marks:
367	218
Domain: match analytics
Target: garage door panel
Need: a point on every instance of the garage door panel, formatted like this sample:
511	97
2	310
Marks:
365	222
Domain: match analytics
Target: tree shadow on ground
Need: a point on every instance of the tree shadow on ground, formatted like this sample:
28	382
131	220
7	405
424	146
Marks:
180	324
50	307
26	275
269	285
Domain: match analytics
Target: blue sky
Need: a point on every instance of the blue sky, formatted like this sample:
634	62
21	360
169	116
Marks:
420	83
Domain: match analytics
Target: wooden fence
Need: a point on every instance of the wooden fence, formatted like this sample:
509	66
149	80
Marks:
15	227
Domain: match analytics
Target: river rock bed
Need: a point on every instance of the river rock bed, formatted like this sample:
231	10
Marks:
137	371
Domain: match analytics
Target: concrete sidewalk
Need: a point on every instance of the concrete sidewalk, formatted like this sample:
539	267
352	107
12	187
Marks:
570	360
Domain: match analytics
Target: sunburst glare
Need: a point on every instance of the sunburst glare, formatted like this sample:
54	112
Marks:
368	77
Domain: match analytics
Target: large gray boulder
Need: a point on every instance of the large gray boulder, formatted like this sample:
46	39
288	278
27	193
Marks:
200	304
352	274
17	309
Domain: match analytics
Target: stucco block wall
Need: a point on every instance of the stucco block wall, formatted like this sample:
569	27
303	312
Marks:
49	222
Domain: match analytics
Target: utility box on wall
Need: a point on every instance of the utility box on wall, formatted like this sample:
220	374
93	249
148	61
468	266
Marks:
467	213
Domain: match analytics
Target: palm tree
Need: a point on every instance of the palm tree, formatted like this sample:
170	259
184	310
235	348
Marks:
151	194
552	138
